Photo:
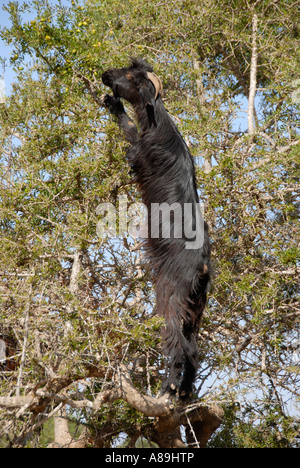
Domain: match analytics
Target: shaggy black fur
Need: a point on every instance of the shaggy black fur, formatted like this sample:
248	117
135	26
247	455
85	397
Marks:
164	170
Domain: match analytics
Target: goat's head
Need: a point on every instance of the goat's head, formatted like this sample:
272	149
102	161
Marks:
137	83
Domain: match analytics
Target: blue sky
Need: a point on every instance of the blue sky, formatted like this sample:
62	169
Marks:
6	50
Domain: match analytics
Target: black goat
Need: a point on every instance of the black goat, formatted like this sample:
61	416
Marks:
164	170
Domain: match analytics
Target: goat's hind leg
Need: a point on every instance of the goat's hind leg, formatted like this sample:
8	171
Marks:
186	386
181	375
180	378
115	107
171	385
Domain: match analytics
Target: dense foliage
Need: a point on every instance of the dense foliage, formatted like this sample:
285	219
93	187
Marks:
74	306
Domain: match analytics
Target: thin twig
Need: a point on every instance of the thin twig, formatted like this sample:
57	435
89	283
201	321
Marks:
25	341
192	431
253	72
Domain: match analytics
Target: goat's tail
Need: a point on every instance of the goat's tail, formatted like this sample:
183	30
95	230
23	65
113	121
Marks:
182	318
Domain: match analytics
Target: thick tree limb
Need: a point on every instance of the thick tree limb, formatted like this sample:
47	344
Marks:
150	406
18	401
201	420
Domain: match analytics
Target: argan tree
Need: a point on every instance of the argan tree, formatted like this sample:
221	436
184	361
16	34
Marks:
79	338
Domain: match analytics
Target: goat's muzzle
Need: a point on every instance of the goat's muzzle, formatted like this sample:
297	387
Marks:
107	78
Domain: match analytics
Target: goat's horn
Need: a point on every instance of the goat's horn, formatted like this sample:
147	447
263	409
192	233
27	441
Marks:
156	83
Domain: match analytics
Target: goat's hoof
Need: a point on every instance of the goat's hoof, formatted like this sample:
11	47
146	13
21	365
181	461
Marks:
112	103
169	390
184	396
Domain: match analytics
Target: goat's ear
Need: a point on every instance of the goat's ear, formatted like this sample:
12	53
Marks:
149	101
147	96
151	114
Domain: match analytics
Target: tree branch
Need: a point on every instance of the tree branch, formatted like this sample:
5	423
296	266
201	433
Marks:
26	324
150	406
90	87
200	419
18	401
253	72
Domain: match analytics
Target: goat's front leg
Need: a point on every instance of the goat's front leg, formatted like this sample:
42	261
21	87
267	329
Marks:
115	107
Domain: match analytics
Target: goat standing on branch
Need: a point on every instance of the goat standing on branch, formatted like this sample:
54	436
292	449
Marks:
164	171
